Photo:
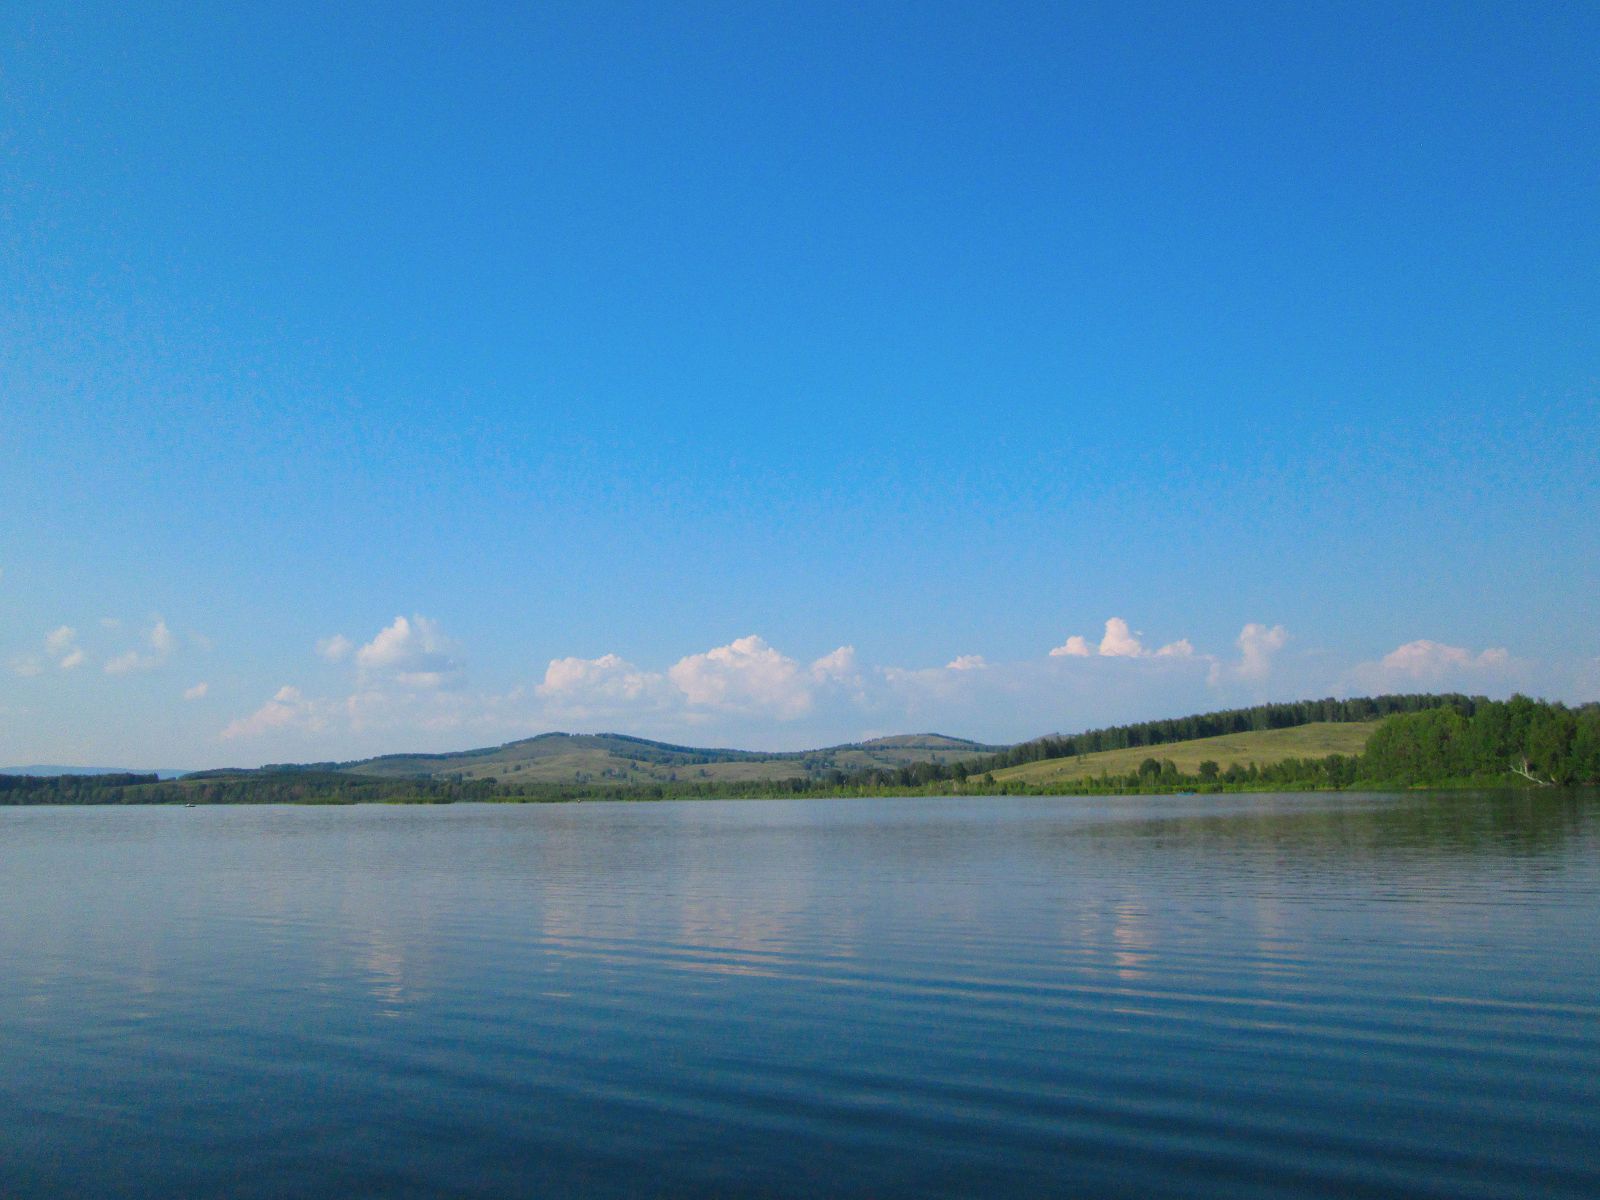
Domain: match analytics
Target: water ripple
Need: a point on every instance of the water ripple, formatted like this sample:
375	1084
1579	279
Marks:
1274	996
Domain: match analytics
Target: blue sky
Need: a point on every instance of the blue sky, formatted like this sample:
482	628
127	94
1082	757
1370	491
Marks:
545	359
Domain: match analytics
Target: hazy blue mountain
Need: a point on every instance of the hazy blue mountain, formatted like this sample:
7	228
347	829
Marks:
57	769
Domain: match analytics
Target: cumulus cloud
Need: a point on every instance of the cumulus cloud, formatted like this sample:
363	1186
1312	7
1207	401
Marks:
1425	663
587	687
61	644
1074	647
288	709
370	710
27	667
611	672
161	639
1258	644
746	675
403	680
160	644
336	648
841	679
412	652
746	680
837	666
1119	642
1433	660
197	692
394	689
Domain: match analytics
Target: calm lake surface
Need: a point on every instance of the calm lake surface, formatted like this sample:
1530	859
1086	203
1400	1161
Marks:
1183	996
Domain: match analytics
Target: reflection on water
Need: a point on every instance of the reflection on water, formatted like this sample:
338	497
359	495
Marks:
1358	828
1228	996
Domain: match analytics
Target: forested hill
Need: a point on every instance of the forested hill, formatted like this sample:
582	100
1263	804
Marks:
59	769
1416	741
1544	744
1231	720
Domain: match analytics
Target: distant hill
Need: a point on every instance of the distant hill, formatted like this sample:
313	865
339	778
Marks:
618	758
1382	741
52	769
1264	747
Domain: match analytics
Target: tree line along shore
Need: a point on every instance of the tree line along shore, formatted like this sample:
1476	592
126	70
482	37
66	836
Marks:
1415	741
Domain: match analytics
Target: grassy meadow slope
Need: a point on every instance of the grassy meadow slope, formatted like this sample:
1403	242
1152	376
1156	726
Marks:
1316	740
615	758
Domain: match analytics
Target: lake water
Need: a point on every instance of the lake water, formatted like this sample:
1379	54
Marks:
1332	996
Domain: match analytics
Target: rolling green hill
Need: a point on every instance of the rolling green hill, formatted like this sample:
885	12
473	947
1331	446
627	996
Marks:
1414	740
1316	740
611	758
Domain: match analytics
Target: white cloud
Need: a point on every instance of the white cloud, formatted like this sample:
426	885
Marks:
197	692
842	681
1119	641
611	671
336	648
749	691
397	643
1433	660
161	639
1074	647
162	644
287	710
413	653
581	688
123	663
1425	663
1257	644
27	667
837	666
745	676
399	684
61	644
398	714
